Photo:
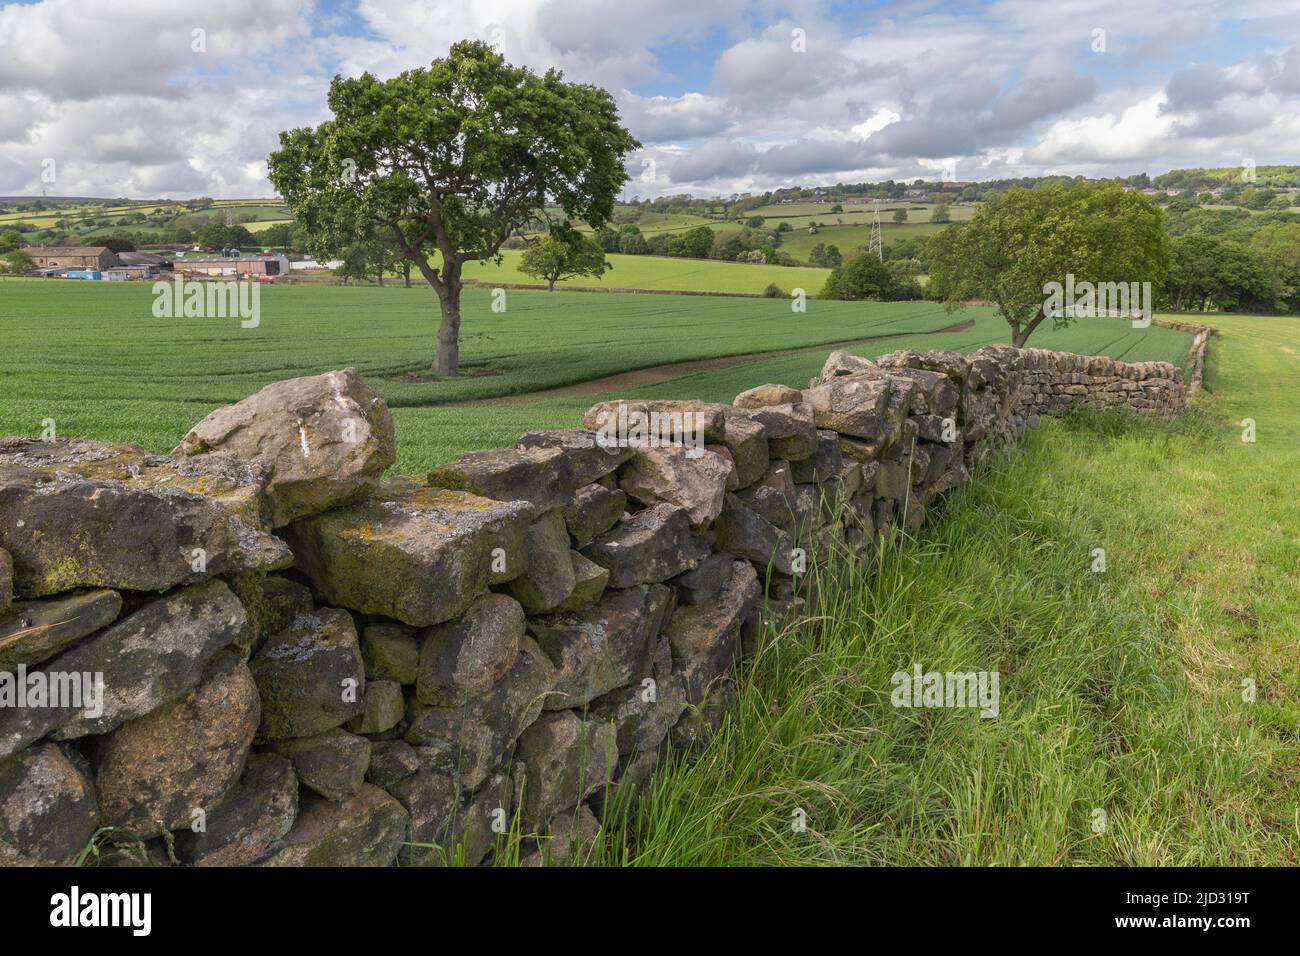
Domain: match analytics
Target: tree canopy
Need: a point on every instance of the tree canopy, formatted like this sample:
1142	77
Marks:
553	258
451	161
1023	239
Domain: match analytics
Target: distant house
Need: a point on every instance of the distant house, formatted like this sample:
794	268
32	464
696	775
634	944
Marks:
920	194
955	184
97	258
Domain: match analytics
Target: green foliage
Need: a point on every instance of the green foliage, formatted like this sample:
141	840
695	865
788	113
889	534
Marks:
451	160
17	262
941	213
1020	241
556	257
1210	273
865	277
774	291
900	215
695	243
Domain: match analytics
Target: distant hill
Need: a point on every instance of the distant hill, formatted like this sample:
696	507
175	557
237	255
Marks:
1228	176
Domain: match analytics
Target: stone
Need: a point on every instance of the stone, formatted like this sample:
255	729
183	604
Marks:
853	405
256	812
365	830
154	772
34	631
412	553
589	581
391	761
733	477
566	759
471	738
791	433
332	764
594	511
892	480
700	585
571	838
746	439
548	579
310	676
390	652
840	363
543	477
48	809
385	707
271	602
825	462
773	498
448	825
462	659
647	548
616	422
744	533
323	440
147	659
603	647
693	480
6	579
89	514
588	460
705	638
644	712
763	396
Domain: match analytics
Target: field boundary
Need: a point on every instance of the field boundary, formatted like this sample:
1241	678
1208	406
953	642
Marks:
654	374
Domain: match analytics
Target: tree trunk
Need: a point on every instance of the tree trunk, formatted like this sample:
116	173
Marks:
406	272
448	363
1019	339
380	277
550	286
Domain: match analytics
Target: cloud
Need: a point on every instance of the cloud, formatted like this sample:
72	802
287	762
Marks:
727	96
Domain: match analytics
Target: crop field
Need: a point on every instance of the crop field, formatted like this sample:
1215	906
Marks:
92	357
665	273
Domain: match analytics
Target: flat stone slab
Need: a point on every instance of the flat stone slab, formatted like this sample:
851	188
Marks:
414	553
92	514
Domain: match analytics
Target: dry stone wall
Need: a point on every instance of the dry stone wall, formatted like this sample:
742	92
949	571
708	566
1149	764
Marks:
257	651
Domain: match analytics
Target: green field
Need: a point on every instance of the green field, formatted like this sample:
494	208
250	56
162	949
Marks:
664	273
92	357
1150	714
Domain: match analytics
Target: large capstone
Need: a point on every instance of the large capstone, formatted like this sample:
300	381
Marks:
413	553
323	440
90	514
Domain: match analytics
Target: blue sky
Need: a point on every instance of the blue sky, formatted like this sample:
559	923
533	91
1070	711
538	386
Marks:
726	95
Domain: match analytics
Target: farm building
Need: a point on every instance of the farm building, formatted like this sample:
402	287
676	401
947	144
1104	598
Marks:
72	257
265	264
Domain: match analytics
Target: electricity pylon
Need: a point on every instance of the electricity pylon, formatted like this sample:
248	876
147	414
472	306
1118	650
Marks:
876	245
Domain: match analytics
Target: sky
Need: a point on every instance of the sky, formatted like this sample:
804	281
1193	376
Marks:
166	99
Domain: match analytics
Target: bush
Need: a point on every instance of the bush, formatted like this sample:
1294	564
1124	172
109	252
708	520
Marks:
774	291
864	277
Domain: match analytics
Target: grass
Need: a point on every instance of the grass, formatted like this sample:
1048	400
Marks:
92	357
661	273
1121	691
